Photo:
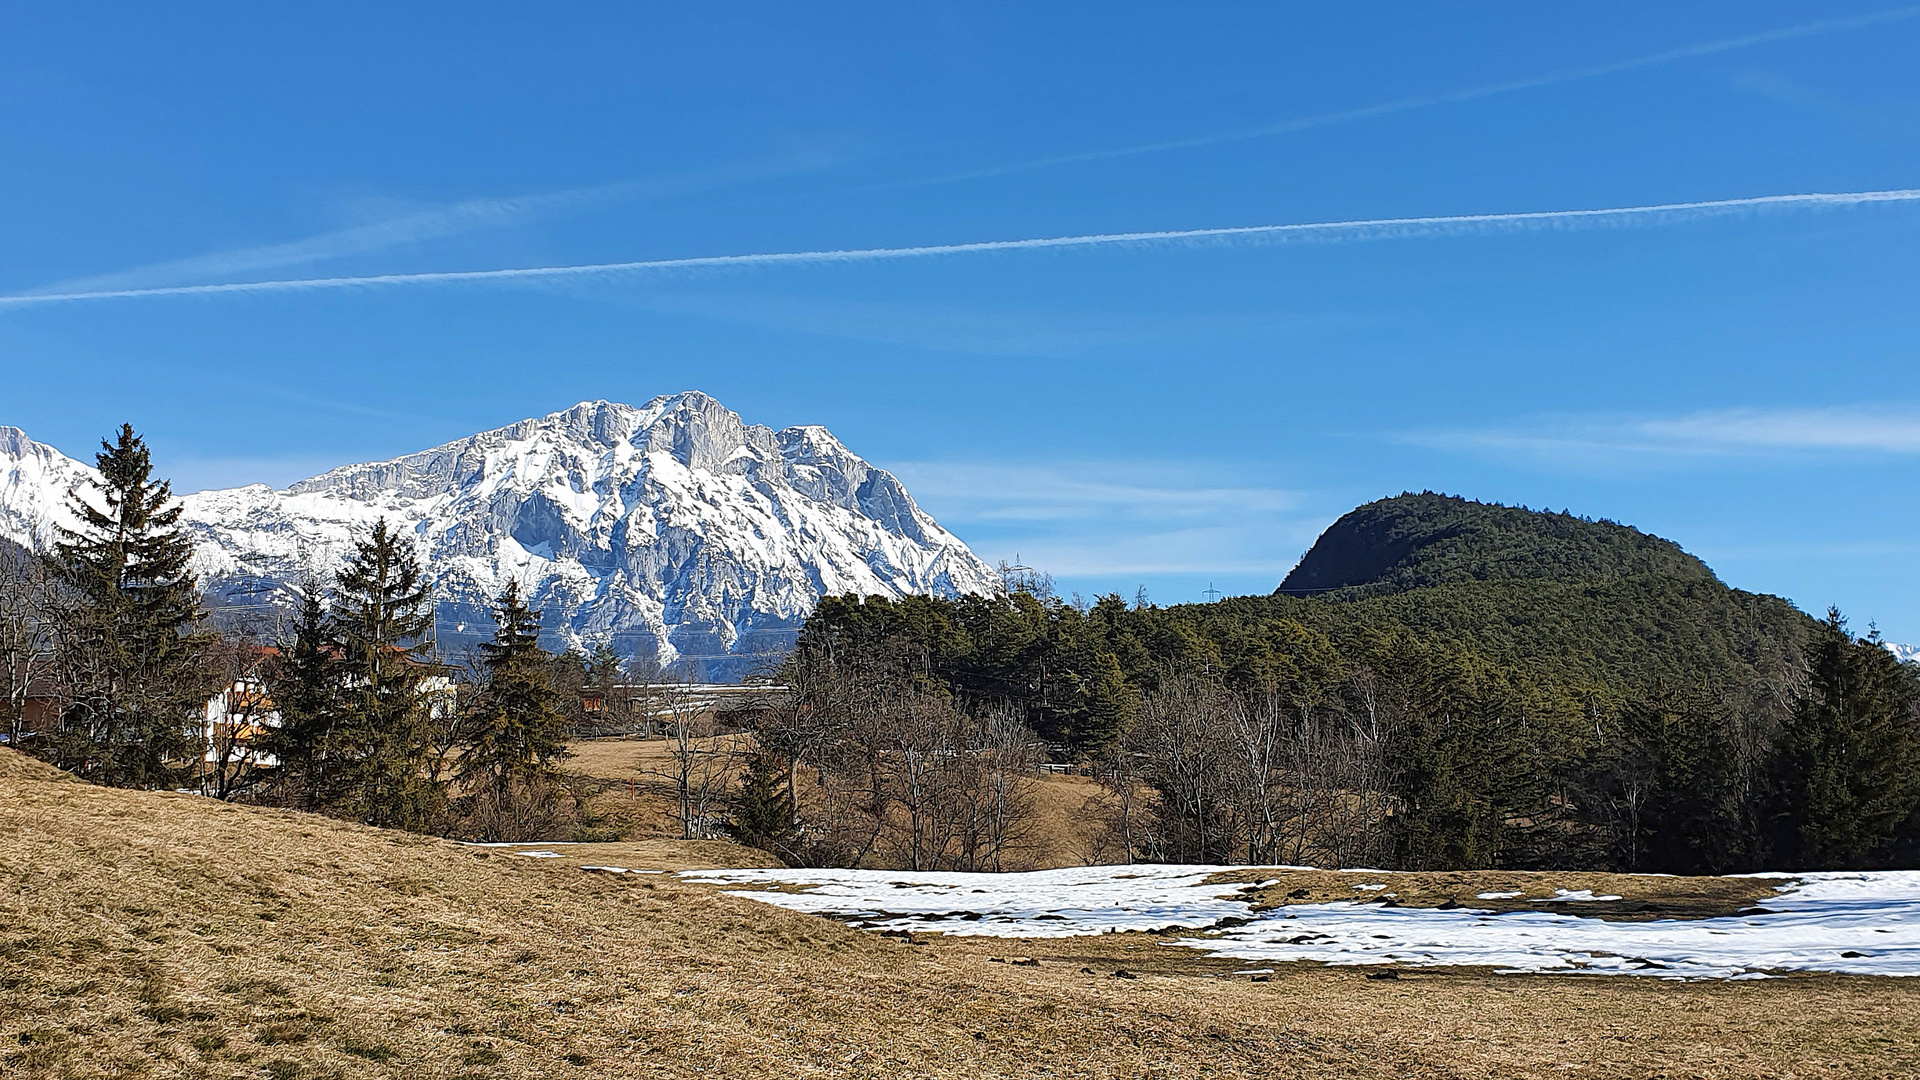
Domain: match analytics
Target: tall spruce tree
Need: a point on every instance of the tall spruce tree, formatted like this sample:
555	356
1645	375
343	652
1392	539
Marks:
604	663
1850	758
764	814
518	726
306	687
382	616
135	668
1673	781
605	670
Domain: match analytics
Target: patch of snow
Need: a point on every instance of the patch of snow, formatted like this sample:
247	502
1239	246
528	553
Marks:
1852	923
1498	895
1571	896
1044	903
541	854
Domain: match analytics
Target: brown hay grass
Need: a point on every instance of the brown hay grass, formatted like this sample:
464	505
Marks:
1642	896
631	783
634	799
168	935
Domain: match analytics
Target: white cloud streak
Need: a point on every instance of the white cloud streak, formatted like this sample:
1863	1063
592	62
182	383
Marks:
419	226
416	227
1326	231
1116	518
1425	101
1713	435
1132	490
1873	429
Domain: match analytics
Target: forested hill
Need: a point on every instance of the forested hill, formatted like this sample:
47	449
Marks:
1415	541
1580	603
1501	686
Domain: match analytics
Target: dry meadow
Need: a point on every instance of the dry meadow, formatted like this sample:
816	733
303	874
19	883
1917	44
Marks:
148	934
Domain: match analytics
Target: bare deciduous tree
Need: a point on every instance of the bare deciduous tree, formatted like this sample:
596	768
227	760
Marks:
995	759
1260	775
703	758
29	640
887	769
1185	752
236	717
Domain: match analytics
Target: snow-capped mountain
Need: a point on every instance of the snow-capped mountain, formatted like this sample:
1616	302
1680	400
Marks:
674	527
1907	653
34	481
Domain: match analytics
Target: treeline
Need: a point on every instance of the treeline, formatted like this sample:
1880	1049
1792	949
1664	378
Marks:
1623	709
113	676
1342	733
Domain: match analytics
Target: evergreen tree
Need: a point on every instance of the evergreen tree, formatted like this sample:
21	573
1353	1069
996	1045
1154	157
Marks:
134	665
381	618
764	814
306	687
1850	764
1106	703
605	672
1454	760
518	726
604	664
1673	778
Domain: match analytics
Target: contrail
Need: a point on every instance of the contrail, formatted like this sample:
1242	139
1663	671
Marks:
1685	52
1371	229
470	215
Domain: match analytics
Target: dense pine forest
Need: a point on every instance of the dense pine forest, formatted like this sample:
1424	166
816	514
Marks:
1441	683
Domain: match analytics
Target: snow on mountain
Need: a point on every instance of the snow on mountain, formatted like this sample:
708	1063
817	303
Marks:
674	527
34	481
1907	653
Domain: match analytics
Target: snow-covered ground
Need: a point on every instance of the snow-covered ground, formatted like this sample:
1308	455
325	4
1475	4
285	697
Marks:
1856	923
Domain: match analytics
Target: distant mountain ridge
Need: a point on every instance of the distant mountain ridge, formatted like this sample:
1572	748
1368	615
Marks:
1415	541
673	527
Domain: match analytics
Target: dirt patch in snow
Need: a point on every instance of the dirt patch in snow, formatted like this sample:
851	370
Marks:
1594	895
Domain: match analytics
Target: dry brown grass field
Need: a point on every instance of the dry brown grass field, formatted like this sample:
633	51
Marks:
633	797
151	934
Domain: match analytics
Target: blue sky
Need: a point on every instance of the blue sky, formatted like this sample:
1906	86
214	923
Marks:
1170	414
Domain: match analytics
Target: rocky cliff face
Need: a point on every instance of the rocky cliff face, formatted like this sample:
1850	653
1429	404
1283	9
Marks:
34	481
673	527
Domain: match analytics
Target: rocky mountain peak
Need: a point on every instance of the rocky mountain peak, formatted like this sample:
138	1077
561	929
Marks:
34	482
674	527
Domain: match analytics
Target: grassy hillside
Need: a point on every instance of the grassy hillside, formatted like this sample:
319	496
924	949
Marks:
163	935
